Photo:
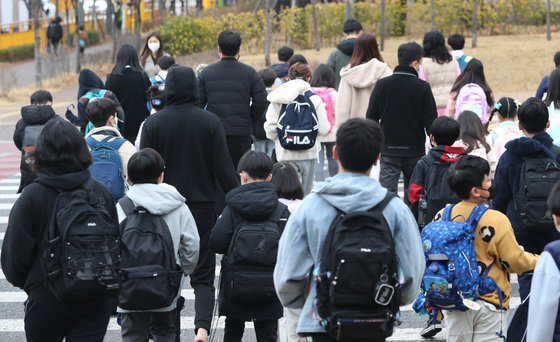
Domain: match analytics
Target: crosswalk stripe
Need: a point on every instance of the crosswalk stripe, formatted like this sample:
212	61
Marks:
6	206
9	187
9	196
3	219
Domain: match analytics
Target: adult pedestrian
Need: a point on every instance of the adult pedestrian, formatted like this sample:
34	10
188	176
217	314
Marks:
405	107
302	160
61	159
359	78
129	83
193	144
54	35
439	68
235	92
341	56
152	51
119	16
542	90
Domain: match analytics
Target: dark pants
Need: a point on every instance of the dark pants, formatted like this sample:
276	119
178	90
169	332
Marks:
391	168
50	320
327	338
202	279
266	331
524	281
136	326
237	147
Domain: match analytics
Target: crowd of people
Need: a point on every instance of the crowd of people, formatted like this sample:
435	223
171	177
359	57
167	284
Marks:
269	168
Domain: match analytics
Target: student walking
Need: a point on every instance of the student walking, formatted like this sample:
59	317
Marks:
507	129
151	53
246	287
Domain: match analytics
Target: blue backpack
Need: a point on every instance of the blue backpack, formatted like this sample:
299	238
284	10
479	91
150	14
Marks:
107	164
298	125
452	273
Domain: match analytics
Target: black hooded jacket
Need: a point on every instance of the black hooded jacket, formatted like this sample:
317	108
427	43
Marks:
252	202
30	116
235	93
191	141
30	216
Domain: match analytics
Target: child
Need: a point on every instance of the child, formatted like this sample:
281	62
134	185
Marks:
157	102
429	191
496	248
456	42
545	287
163	64
255	201
260	142
145	172
322	84
474	140
478	98
553	103
290	192
507	129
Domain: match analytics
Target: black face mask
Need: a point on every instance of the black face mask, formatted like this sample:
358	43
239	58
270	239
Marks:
492	191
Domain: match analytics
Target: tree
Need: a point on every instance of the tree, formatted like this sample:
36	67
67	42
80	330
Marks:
382	26
315	28
77	4
347	10
137	21
475	23
433	15
292	22
267	39
34	8
548	36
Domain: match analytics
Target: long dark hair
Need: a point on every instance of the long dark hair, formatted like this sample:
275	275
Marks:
365	49
473	73
60	144
553	92
434	47
127	56
146	52
472	131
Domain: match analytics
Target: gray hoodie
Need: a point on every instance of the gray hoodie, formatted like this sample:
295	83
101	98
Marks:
301	244
163	199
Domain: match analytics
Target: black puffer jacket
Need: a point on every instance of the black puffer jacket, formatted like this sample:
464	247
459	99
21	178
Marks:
30	216
250	202
235	93
30	116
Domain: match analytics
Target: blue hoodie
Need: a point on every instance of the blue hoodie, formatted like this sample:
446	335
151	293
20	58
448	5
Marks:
301	243
507	177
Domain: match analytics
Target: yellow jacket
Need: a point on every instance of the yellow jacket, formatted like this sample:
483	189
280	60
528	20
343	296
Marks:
495	245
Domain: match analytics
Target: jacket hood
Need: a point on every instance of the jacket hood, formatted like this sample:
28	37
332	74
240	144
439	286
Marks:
254	201
158	199
347	46
37	115
87	81
181	86
351	191
527	146
288	91
67	178
446	154
364	75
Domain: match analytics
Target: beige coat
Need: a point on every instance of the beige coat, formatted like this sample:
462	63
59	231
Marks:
441	78
285	94
356	85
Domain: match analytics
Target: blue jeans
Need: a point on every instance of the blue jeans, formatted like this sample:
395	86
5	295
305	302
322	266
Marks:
326	148
265	145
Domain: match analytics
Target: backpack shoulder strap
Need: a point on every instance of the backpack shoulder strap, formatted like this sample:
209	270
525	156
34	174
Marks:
446	216
92	142
476	214
127	205
381	205
552	152
115	143
102	92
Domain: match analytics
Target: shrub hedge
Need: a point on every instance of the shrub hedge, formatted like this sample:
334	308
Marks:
17	53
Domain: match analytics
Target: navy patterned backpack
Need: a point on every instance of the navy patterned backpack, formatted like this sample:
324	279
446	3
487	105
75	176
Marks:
452	279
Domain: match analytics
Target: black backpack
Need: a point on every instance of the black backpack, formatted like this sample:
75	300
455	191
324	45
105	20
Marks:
248	266
357	278
151	277
436	194
81	257
538	175
298	125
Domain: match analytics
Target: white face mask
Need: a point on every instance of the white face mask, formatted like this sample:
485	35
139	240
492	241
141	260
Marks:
153	46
